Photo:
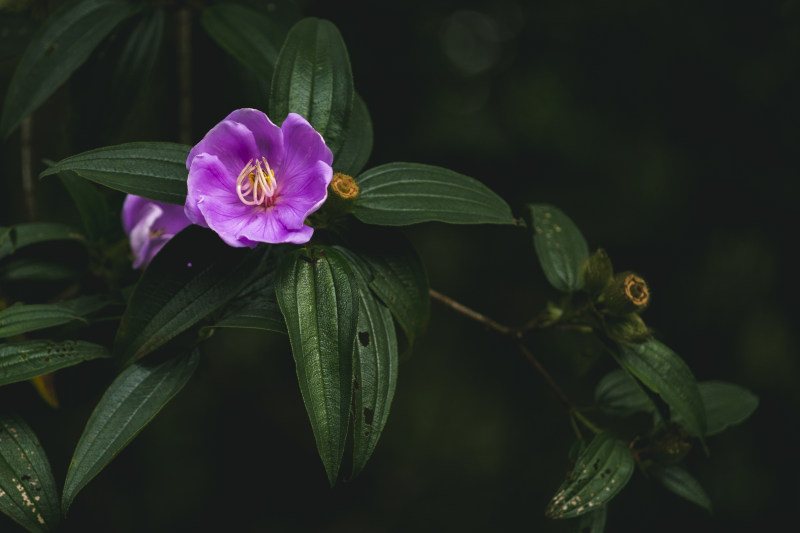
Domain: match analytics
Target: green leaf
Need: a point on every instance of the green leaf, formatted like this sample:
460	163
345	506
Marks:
313	79
16	31
374	366
19	319
399	194
21	235
255	308
600	473
318	295
398	278
91	204
662	371
594	522
618	394
246	34
726	405
677	480
357	146
27	488
57	49
153	170
30	269
128	405
560	247
27	359
194	274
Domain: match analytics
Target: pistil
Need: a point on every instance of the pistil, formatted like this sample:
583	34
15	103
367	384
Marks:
256	184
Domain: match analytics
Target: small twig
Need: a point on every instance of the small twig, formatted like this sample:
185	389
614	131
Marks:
474	315
26	167
185	75
547	377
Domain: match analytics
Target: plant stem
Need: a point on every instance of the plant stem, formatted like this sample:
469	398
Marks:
474	315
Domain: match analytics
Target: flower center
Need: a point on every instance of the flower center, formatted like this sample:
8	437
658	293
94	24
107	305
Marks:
256	183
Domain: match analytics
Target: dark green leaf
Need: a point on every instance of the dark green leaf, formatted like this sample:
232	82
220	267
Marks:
21	235
255	308
318	295
128	405
16	31
726	405
399	280
594	522
560	247
247	35
56	50
600	473
27	359
153	170
619	394
374	366
19	318
677	480
30	269
313	79
357	146
27	488
662	371
134	66
91	204
399	194
192	276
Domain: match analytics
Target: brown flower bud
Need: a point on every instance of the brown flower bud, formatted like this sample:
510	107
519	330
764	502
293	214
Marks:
344	186
627	293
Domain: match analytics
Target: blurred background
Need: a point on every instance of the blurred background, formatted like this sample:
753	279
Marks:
666	130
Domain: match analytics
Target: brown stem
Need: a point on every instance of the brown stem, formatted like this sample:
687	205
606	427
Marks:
185	75
547	377
474	315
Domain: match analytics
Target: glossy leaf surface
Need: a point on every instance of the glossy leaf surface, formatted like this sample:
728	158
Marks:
313	78
358	137
154	170
599	474
26	359
399	194
132	400
618	394
677	480
559	245
19	319
27	488
318	295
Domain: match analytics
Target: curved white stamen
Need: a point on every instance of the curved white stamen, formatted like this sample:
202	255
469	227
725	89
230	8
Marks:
255	184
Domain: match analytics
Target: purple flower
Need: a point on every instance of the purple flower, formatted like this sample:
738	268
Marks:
150	224
251	181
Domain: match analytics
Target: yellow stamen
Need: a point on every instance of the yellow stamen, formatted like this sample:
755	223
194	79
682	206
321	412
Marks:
255	184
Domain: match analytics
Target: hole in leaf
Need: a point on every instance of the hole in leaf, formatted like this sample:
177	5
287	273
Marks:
368	415
363	338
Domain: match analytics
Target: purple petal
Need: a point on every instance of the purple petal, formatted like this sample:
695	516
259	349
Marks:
305	191
266	228
233	143
303	146
150	224
268	136
209	181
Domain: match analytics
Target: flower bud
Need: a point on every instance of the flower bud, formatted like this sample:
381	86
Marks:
627	293
597	272
344	186
629	329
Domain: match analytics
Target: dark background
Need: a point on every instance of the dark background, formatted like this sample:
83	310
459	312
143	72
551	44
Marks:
666	130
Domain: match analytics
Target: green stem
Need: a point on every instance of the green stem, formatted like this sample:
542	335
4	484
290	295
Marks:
585	421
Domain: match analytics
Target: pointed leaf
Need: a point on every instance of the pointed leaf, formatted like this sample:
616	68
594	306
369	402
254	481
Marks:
619	394
193	275
600	473
318	295
134	398
665	373
374	366
399	194
677	480
726	405
55	51
26	359
30	269
153	170
246	34
27	488
313	79
560	247
21	235
357	146
19	319
399	280
255	308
